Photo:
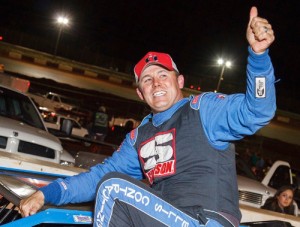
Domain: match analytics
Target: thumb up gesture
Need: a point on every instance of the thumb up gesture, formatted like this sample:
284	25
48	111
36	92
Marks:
260	34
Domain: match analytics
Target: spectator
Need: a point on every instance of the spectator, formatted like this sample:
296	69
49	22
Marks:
282	201
254	158
99	125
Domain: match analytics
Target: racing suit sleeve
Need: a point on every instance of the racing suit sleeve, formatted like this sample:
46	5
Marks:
82	187
227	118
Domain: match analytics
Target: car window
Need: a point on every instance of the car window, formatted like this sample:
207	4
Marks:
49	96
19	107
55	98
280	177
15	107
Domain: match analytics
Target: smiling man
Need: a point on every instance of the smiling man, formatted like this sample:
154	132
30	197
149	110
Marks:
160	83
183	148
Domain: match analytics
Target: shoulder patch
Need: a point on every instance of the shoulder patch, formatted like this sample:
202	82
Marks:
221	96
133	135
195	102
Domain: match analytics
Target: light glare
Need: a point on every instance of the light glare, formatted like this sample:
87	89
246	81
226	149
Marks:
62	20
228	64
220	61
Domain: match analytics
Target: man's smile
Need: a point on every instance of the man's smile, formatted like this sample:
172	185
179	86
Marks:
159	93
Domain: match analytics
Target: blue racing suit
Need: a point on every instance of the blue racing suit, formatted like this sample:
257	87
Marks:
224	118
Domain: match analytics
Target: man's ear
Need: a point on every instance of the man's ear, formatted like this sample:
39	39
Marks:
139	94
180	80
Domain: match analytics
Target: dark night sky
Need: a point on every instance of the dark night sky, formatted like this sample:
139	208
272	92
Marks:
194	32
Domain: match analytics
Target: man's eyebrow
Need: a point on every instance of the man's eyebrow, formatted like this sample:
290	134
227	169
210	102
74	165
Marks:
145	76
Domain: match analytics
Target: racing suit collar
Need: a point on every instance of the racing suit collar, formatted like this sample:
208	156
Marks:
159	118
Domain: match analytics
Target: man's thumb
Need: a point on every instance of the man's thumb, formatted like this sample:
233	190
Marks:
253	13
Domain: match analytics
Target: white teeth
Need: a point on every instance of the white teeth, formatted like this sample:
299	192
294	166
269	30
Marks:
160	93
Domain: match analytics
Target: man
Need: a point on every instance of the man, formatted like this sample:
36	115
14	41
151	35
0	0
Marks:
183	148
99	125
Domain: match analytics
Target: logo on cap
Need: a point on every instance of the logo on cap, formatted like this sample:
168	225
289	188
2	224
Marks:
154	58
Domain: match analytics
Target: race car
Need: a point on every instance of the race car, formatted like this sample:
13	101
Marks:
15	185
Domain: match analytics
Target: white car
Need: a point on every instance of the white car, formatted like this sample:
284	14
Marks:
53	101
22	130
54	121
253	192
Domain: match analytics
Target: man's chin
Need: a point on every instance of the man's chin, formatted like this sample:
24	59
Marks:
160	108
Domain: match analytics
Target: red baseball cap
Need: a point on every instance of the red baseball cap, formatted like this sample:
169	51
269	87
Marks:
154	58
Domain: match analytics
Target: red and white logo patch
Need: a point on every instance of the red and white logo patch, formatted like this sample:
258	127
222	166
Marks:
158	156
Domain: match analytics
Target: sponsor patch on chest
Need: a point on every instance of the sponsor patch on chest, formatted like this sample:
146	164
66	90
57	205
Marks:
158	156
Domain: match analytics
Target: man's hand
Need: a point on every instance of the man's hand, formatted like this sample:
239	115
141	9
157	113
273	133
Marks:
32	204
260	34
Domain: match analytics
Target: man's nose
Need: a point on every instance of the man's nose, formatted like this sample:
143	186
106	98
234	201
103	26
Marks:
156	82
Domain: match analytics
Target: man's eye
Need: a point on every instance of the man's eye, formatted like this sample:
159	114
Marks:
146	80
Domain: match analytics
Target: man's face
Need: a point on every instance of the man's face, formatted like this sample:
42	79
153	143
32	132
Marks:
160	88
